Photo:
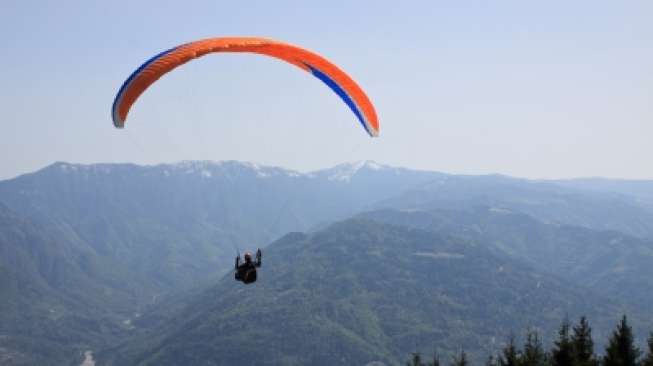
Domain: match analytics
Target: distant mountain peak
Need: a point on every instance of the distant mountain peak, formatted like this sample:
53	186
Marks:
344	172
207	168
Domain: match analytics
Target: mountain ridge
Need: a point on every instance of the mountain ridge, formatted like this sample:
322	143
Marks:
128	238
434	290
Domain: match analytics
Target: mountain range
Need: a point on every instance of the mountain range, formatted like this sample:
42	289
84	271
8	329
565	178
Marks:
130	260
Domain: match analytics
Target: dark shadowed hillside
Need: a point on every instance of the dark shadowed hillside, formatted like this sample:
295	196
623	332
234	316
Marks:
362	291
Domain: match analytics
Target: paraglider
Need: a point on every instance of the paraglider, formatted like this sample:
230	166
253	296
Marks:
336	79
246	271
330	74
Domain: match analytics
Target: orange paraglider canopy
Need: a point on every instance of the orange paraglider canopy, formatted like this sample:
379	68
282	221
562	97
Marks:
330	74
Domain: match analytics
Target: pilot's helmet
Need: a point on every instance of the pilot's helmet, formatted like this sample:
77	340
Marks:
248	257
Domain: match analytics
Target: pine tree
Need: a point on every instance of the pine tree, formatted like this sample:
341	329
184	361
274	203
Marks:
562	352
533	353
436	360
648	360
583	345
416	360
621	349
510	355
460	359
491	361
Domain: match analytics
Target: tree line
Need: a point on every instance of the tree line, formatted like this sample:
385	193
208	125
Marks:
574	346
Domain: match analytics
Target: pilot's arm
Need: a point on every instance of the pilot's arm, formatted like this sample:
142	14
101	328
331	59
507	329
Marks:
258	258
237	261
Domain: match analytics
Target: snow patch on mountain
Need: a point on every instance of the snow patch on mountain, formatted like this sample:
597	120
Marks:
208	169
212	169
345	172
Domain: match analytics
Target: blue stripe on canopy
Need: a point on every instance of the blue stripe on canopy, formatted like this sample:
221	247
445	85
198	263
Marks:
341	93
114	112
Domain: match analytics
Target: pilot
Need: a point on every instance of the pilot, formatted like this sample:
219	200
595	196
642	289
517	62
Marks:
246	271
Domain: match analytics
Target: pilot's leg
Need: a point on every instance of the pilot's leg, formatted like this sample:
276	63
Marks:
253	276
250	276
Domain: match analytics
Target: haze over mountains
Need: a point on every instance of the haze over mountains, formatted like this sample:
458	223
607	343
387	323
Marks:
131	262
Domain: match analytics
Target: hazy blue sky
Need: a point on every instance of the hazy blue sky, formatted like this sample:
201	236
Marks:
542	89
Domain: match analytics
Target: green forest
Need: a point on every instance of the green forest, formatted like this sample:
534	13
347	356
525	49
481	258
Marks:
574	346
